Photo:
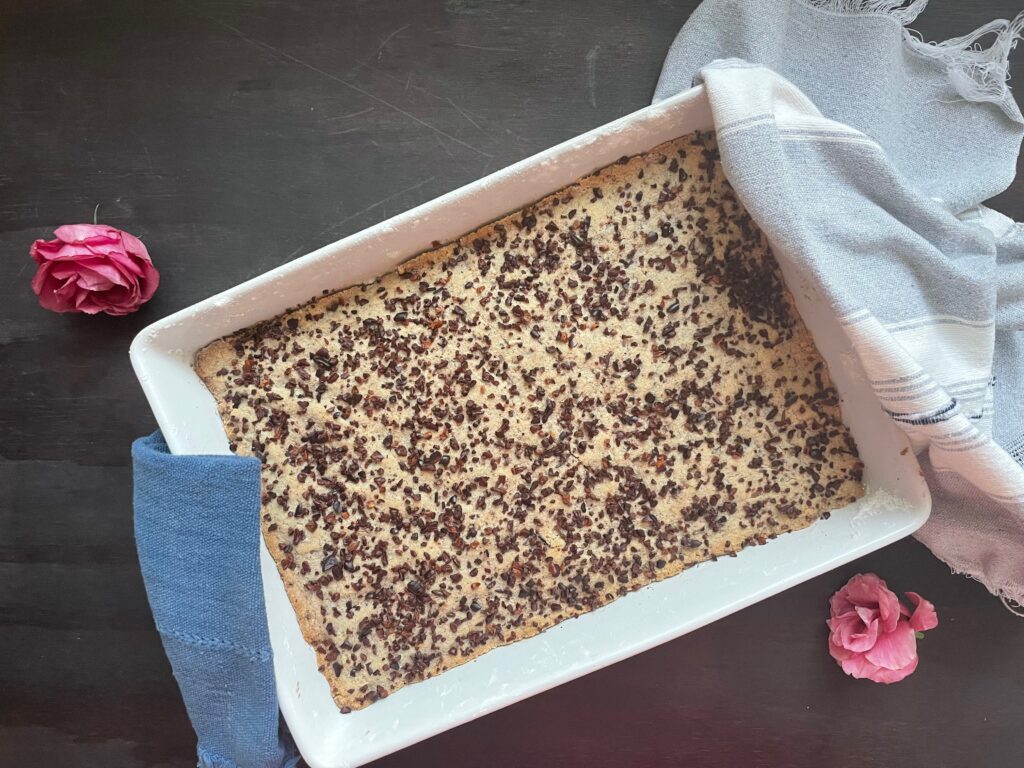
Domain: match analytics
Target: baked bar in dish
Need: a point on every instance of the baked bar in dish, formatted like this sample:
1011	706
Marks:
517	427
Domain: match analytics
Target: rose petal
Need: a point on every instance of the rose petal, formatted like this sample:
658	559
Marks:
836	622
924	616
863	589
112	267
39	279
42	250
840	626
128	264
888	608
894	650
857	666
851	633
839	604
106	250
85	233
47	288
90	282
882	675
837	651
67	289
135	247
848	622
55	250
92	276
870	591
117	300
867	615
149	281
85	301
863	640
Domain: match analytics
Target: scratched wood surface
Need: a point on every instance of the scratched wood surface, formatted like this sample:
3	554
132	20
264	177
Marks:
233	136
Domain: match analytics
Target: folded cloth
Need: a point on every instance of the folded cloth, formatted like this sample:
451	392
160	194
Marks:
198	535
879	210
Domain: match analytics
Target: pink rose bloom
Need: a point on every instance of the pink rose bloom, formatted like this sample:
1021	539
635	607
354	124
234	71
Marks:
873	634
93	268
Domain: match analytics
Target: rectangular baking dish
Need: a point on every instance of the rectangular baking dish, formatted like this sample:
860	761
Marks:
896	503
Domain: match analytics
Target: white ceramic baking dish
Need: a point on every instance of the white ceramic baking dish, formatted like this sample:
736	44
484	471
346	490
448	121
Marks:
897	501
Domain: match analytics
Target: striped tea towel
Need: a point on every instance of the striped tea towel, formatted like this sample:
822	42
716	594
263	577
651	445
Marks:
876	200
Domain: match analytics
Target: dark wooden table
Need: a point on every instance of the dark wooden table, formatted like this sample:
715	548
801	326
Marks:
233	136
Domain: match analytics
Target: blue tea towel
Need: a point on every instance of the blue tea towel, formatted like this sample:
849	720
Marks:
198	535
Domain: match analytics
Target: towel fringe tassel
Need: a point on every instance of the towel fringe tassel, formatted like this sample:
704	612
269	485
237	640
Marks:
978	73
1013	606
902	11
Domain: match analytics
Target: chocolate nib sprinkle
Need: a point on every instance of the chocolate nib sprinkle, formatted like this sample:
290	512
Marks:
531	421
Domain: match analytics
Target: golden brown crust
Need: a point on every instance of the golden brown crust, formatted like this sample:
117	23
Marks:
562	406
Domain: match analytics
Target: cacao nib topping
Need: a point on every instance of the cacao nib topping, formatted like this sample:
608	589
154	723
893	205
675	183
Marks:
533	420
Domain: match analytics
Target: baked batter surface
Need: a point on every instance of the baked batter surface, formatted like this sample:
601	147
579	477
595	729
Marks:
515	428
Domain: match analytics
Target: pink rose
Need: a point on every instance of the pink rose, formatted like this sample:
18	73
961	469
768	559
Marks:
93	268
873	634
